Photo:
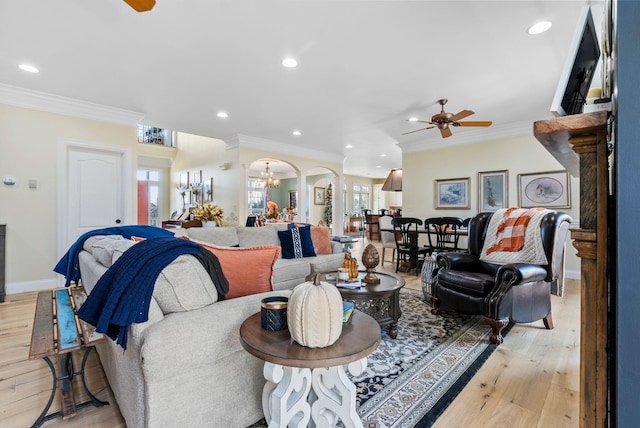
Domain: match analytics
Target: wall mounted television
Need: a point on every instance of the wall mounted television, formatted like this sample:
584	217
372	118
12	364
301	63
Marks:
579	68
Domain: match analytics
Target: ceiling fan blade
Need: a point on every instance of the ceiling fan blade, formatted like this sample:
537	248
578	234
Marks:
141	5
446	132
421	129
461	115
420	121
478	123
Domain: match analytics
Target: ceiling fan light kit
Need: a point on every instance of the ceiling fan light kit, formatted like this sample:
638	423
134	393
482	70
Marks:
141	5
444	120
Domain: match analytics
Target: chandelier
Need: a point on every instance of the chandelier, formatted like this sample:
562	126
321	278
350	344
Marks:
267	178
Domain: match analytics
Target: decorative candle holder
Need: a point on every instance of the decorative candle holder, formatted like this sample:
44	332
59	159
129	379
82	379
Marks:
273	313
370	259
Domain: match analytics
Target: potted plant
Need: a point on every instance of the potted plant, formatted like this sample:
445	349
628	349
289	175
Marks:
209	214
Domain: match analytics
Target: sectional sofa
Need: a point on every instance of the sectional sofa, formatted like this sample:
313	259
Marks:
185	366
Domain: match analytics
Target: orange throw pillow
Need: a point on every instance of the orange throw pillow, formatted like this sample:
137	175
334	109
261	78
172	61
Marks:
321	240
249	270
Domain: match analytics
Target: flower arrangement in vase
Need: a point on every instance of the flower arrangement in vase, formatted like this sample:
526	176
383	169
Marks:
208	213
272	211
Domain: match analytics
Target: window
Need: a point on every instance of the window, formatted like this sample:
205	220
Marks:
257	197
153	135
148	197
361	197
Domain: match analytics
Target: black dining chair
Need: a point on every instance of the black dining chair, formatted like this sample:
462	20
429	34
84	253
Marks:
251	221
409	251
443	233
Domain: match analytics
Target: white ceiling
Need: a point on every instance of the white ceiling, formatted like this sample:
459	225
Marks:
364	66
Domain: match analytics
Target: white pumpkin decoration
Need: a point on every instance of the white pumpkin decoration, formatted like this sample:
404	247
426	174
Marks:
314	313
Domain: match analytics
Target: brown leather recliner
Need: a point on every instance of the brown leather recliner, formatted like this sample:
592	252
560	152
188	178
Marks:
516	292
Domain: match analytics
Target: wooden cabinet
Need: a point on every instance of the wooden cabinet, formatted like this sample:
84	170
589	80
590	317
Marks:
579	143
3	231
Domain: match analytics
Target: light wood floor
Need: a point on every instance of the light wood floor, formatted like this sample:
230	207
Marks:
531	380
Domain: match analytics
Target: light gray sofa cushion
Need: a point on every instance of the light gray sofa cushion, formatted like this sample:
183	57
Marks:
289	269
255	236
223	236
184	285
326	263
104	250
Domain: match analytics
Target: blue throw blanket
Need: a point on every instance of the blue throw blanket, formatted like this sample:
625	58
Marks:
68	264
122	295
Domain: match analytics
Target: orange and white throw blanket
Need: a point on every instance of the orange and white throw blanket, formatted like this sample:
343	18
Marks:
513	236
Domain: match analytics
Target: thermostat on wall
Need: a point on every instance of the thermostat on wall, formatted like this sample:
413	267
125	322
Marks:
9	181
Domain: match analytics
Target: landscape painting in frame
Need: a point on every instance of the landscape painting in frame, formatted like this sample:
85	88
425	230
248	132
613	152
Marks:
318	195
544	189
493	190
452	193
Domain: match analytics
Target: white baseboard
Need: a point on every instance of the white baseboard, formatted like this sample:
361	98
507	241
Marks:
27	286
572	274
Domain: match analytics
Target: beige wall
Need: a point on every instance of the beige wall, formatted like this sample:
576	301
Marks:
29	149
30	141
519	155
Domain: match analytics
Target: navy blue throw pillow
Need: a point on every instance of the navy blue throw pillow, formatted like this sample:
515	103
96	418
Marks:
296	242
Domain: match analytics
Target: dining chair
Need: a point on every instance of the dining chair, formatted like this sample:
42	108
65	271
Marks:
443	233
371	225
386	237
406	236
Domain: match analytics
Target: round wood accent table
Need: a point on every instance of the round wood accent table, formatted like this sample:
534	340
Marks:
381	301
311	383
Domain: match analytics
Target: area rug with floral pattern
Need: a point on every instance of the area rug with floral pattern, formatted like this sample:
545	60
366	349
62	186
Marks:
409	381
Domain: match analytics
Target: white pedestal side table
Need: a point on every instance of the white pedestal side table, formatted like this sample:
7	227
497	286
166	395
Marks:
310	386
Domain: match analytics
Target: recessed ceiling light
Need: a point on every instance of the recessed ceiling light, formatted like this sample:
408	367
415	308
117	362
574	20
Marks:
297	133
223	114
289	63
413	119
378	166
348	146
539	27
384	155
29	68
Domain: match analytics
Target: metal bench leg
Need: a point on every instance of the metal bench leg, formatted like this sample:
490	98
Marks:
95	401
38	423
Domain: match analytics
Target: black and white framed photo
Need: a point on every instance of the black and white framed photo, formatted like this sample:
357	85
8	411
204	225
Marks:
493	190
452	193
318	195
544	189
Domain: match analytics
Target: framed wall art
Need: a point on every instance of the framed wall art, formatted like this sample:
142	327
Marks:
318	195
493	191
544	189
452	193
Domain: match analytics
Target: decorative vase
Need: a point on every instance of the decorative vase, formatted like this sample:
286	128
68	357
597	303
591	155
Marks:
314	313
210	223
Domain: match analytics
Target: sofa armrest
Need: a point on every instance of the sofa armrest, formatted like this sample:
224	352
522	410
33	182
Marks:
458	261
336	247
197	338
520	273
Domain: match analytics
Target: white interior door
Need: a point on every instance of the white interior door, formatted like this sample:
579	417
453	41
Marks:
94	191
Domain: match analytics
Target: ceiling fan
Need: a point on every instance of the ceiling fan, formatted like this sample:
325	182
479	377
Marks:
444	120
141	5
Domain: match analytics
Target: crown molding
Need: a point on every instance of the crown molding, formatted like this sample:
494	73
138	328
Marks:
496	133
258	143
28	98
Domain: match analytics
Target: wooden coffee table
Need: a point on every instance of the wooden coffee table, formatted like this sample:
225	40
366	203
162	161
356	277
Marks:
380	301
311	383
